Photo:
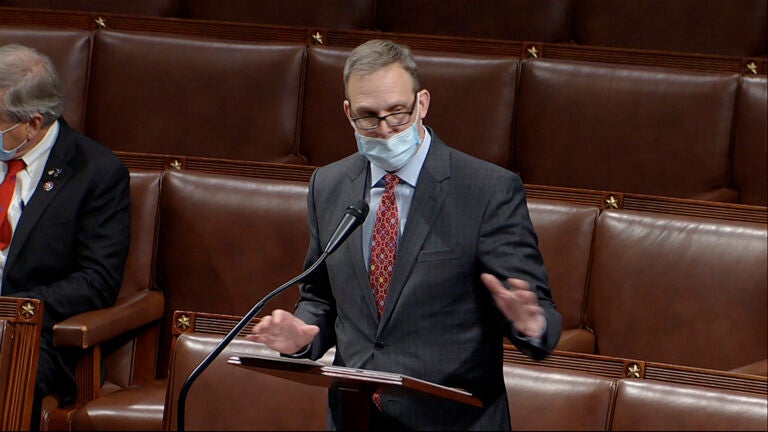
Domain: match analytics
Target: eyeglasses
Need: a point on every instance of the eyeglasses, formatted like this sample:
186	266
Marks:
371	122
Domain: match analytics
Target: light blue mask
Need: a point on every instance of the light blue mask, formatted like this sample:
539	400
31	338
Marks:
6	155
393	153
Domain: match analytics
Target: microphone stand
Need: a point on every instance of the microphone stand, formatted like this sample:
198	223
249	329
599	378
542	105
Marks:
231	335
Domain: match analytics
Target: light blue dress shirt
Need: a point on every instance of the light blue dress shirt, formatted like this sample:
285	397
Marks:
409	176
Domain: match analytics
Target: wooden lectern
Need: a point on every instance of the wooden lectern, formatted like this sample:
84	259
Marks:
355	385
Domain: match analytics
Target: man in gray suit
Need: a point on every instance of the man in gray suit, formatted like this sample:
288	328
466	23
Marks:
432	294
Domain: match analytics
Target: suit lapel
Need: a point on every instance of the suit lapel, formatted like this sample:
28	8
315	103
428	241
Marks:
55	175
425	206
358	184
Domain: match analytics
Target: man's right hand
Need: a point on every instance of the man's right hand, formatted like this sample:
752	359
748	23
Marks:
283	332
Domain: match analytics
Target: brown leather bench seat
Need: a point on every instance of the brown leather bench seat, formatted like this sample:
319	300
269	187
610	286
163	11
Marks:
734	27
565	233
123	337
750	142
69	50
622	278
681	290
644	405
639	128
473	124
541	397
585	124
551	399
195	96
223	243
613	272
234	398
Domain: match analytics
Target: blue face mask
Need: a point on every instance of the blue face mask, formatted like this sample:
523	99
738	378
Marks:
393	153
6	155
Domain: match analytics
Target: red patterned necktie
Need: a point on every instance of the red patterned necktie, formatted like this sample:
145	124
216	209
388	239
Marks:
384	242
7	189
384	250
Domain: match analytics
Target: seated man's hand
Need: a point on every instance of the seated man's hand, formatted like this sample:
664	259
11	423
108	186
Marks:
283	332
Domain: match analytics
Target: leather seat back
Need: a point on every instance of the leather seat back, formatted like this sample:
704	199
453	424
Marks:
472	104
228	397
539	20
680	290
122	360
625	128
565	240
189	96
645	405
750	142
159	8
69	50
543	398
332	14
733	27
226	242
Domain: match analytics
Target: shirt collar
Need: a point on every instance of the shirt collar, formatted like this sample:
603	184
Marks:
410	172
41	151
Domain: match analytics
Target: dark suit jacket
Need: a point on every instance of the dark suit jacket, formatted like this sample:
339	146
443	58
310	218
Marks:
440	322
70	245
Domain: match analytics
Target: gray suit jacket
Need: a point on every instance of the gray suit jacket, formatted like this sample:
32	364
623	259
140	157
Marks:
440	322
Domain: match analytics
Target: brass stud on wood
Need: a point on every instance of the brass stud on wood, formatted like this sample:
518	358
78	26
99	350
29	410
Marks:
183	323
27	310
633	370
611	202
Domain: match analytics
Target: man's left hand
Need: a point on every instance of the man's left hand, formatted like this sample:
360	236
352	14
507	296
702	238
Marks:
518	303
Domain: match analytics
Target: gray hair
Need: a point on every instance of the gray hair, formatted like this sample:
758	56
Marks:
377	54
29	85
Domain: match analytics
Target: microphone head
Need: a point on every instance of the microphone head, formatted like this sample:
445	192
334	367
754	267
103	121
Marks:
358	210
353	217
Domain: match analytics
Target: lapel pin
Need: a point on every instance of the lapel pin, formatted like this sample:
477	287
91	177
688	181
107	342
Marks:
48	186
55	173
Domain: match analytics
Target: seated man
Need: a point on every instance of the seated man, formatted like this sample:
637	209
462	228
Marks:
64	207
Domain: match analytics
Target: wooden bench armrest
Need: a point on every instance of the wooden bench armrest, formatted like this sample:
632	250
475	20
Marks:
94	327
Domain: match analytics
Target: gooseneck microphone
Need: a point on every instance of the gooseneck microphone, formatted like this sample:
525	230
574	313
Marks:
354	215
